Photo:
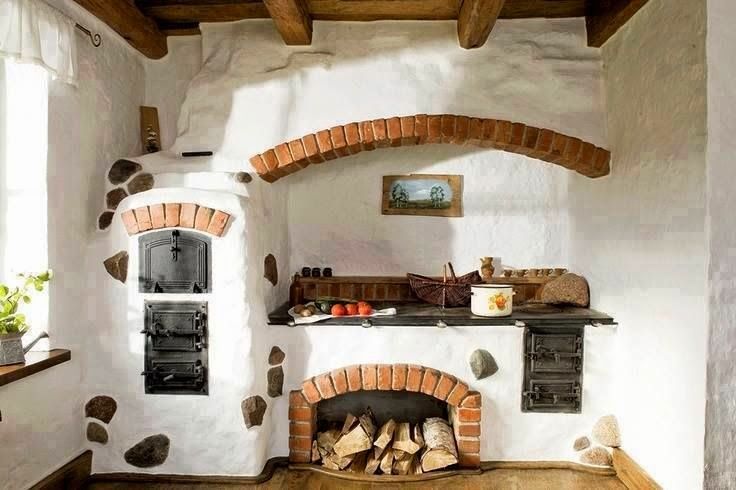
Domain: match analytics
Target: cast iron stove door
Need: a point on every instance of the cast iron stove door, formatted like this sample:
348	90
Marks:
176	347
174	261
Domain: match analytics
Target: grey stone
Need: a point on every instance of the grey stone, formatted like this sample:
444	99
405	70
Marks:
275	381
101	408
105	220
243	177
122	170
270	269
276	356
117	266
568	289
598	456
483	364
115	197
96	433
140	183
151	451
606	431
253	408
581	443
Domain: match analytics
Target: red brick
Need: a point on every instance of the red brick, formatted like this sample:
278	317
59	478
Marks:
283	155
544	143
462	128
468	414
468	445
602	164
384	376
398	380
393	129
143	218
586	159
158	219
572	153
449	122
303	429
301	414
259	164
407	131
517	134
296	399
131	224
300	443
298	154
172	212
434	129
559	145
489	133
324	385
311	394
472	400
475	131
469	430
352	137
368	372
324	143
188	212
457	394
300	456
268	178
354	380
420	128
414	377
202	219
271	160
531	135
503	134
339	143
311	149
218	223
469	460
430	380
367	139
444	386
380	133
339	381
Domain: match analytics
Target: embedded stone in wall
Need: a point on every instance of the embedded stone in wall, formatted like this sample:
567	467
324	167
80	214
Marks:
141	183
598	456
117	266
271	271
122	170
568	289
105	220
276	356
115	197
581	443
151	451
483	364
243	177
101	408
253	408
96	433
275	381
606	431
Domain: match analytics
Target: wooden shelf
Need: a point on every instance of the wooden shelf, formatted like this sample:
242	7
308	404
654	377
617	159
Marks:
35	363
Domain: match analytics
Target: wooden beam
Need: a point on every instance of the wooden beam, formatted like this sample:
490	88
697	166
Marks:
630	473
607	17
292	20
74	474
476	21
211	12
125	19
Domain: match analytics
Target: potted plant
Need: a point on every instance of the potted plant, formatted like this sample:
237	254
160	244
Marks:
13	323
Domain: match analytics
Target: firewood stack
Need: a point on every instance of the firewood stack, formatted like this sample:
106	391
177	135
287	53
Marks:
396	448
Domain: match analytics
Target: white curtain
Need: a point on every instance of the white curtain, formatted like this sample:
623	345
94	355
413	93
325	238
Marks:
33	32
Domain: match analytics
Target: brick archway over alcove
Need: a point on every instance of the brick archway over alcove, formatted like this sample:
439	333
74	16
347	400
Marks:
464	405
180	215
349	139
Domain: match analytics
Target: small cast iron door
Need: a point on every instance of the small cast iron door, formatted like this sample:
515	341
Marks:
174	261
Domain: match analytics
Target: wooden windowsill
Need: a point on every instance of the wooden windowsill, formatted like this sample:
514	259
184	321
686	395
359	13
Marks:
35	362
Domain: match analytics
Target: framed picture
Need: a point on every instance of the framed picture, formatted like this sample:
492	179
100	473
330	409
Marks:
423	195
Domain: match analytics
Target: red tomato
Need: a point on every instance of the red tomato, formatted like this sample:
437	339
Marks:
338	310
352	309
365	310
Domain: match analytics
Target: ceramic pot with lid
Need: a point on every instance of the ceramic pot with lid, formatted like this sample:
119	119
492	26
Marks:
491	300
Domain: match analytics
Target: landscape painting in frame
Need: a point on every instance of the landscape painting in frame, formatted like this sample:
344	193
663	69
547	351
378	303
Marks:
423	195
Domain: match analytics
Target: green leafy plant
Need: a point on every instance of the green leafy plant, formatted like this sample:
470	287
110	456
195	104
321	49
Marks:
11	321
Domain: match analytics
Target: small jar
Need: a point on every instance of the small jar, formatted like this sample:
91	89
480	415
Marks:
316	272
306	272
327	272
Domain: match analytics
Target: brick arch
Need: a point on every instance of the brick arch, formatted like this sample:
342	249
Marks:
179	215
349	139
465	405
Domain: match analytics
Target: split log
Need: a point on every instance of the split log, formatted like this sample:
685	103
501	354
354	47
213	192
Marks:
316	456
417	437
368	423
353	442
359	463
402	439
399	454
384	436
440	445
335	462
416	468
403	466
349	424
326	442
373	463
387	461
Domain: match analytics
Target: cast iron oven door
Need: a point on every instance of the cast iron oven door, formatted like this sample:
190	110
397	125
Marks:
174	261
176	347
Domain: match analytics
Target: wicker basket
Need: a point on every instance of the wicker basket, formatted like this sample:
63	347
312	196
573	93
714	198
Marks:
452	292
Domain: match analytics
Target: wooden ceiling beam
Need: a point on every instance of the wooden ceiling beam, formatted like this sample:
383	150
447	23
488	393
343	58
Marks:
476	20
124	18
211	12
292	20
607	17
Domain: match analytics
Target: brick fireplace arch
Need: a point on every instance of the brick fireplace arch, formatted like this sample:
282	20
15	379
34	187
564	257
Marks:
464	405
349	139
174	214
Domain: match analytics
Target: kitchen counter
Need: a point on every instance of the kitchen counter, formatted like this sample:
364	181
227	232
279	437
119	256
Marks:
427	315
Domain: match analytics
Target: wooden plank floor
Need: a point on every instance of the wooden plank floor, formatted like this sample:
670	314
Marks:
507	479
